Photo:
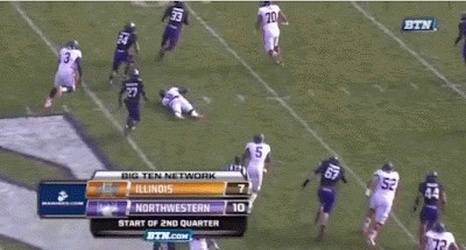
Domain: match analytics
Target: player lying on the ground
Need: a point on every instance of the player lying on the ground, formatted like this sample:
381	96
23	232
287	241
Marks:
173	98
68	73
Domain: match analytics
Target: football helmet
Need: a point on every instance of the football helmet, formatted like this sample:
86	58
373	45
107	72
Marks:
431	176
439	227
72	44
387	167
130	27
259	138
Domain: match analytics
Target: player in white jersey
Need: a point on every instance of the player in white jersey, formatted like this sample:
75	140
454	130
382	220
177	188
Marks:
173	98
269	17
257	156
382	190
68	73
438	238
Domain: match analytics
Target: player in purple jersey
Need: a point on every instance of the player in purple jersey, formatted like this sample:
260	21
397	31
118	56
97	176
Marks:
131	91
177	16
331	173
126	40
434	196
462	34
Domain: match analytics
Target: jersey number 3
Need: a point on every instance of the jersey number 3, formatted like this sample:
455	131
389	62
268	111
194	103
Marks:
67	57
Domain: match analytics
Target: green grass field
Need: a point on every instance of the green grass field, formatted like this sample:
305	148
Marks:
357	92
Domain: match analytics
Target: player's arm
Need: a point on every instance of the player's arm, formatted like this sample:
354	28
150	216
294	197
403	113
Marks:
371	184
186	18
143	93
258	22
246	155
460	33
453	246
212	244
443	196
343	176
167	13
267	164
80	72
120	96
313	175
419	196
282	18
423	243
136	43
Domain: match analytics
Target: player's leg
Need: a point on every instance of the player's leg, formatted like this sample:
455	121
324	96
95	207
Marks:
55	90
117	61
129	65
428	217
276	48
269	47
327	201
186	107
370	215
381	215
134	116
255	176
163	44
175	106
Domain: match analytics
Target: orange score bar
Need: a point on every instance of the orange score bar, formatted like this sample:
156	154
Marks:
143	189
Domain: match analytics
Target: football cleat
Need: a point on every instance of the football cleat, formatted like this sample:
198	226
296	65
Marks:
48	103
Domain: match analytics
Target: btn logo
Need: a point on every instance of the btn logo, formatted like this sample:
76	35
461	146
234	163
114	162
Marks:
419	24
161	235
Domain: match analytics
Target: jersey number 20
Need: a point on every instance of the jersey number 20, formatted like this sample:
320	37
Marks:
271	17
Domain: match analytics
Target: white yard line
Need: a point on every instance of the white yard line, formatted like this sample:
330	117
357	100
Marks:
276	98
345	90
88	91
291	111
241	98
66	109
414	86
28	110
403	45
378	87
207	99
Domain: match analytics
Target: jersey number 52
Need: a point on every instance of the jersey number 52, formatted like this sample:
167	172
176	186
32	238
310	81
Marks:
388	184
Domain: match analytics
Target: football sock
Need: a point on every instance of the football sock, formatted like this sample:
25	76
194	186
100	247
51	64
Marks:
53	92
253	197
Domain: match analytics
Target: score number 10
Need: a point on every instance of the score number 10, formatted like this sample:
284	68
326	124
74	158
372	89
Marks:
237	207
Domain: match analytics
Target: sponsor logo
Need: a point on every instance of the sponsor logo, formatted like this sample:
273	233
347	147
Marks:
161	235
419	24
61	201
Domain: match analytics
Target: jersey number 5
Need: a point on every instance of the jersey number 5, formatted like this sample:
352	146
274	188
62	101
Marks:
388	184
271	17
258	153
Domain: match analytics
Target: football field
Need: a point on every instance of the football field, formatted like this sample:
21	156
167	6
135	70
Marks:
352	85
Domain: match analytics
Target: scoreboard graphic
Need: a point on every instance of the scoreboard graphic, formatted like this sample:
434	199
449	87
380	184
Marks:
128	203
